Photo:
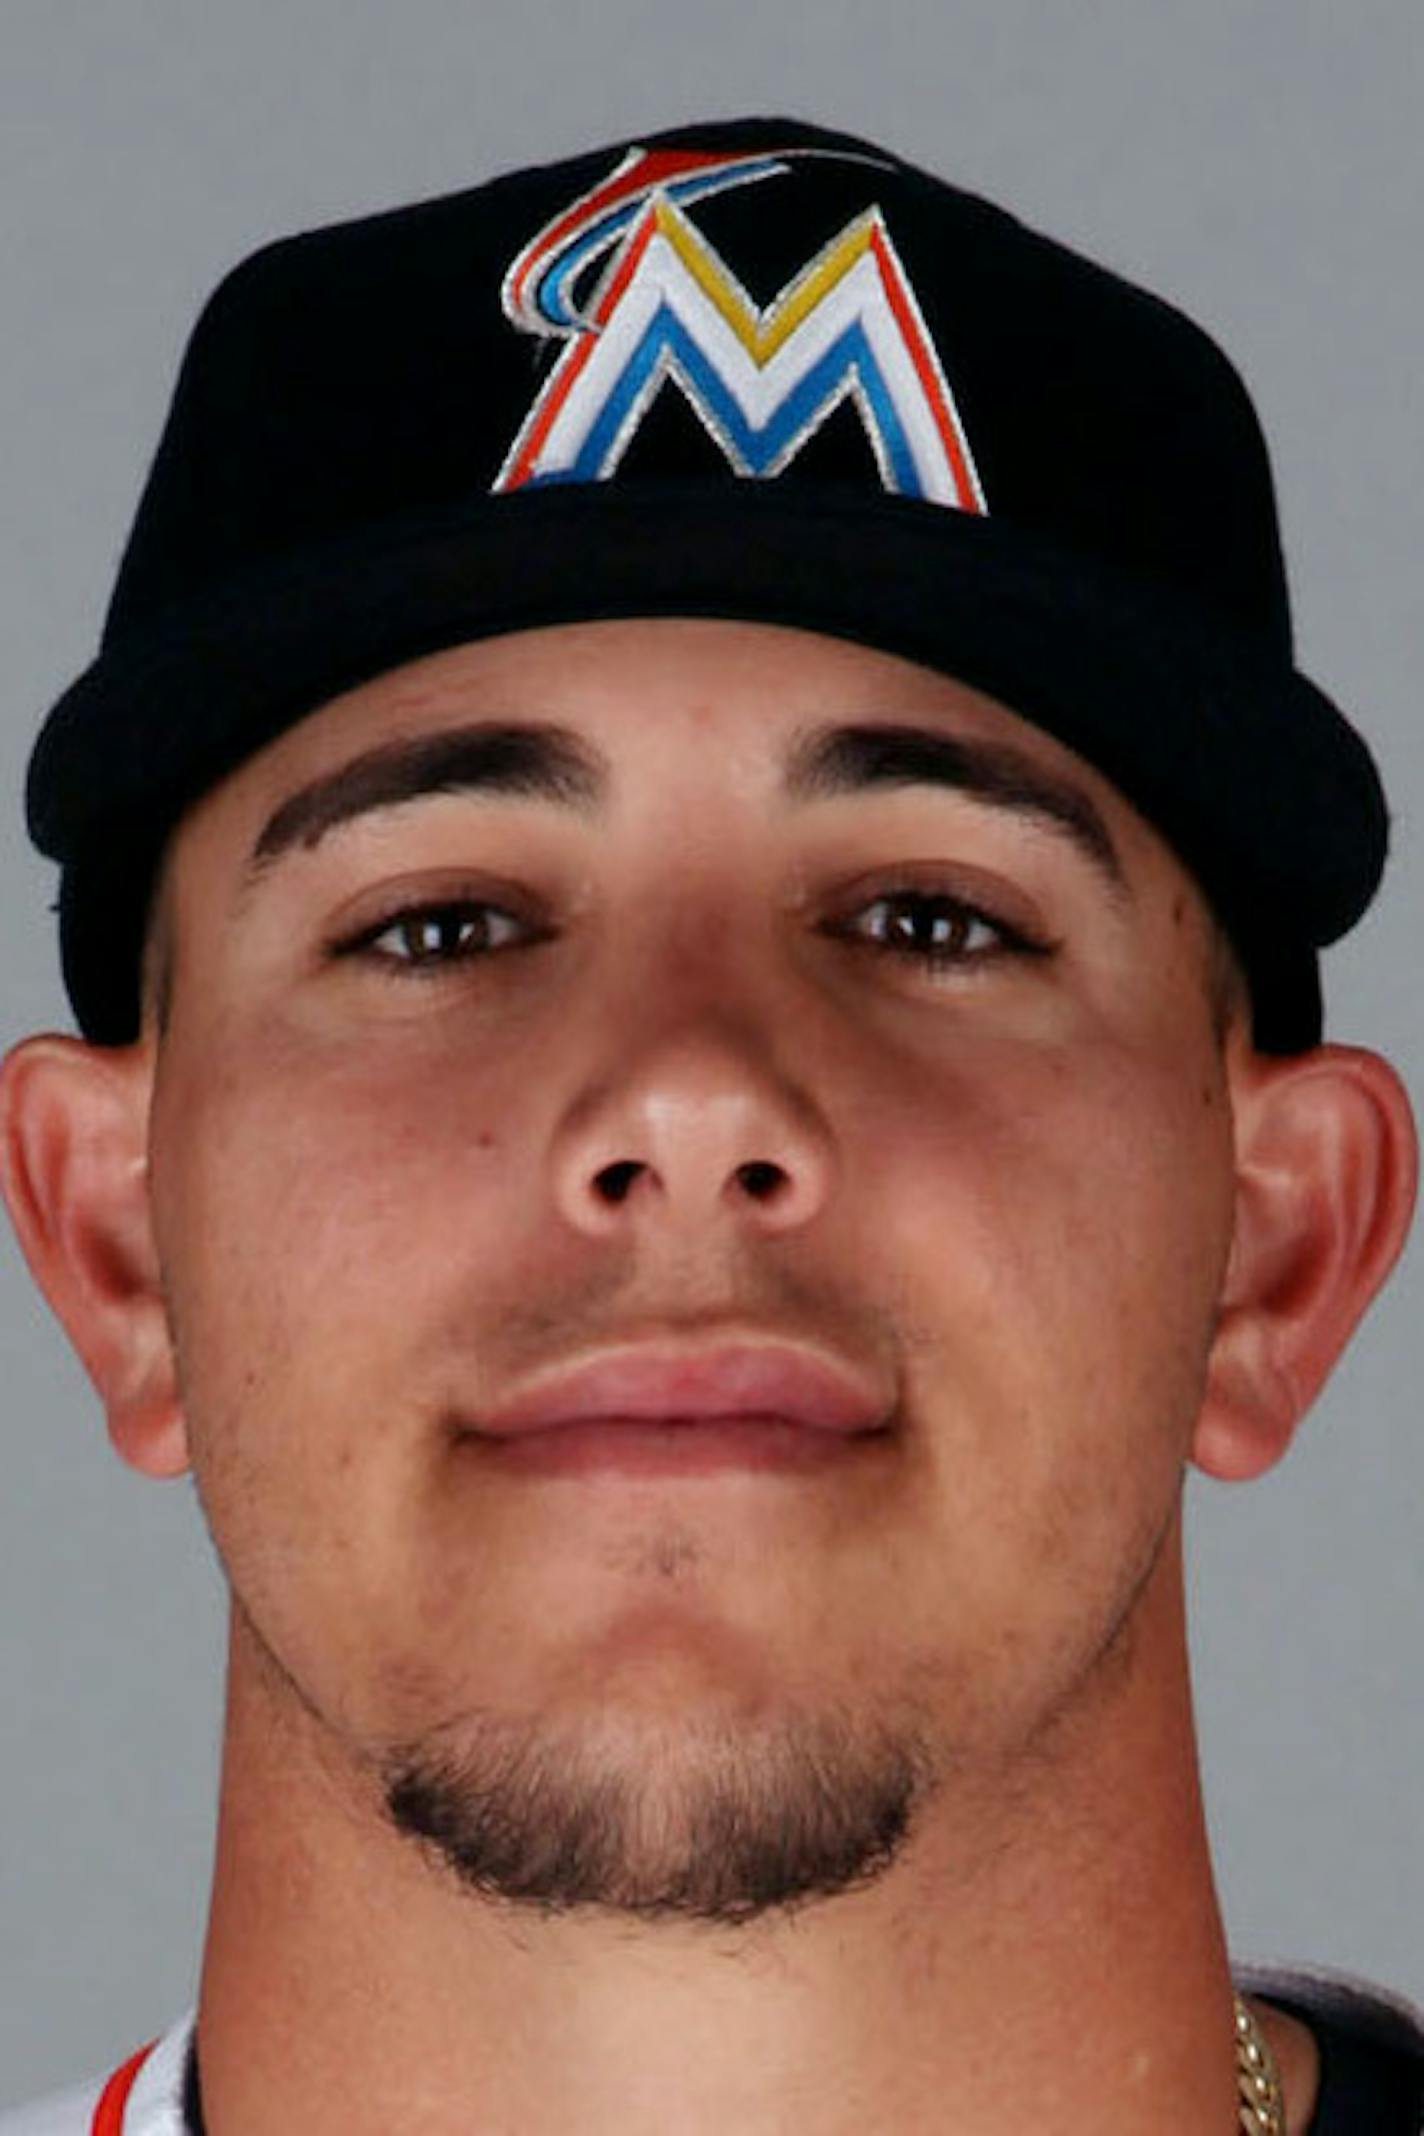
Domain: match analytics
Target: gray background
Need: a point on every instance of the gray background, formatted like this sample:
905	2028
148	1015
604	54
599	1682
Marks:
1261	164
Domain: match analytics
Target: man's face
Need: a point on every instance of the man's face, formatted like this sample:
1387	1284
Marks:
461	1085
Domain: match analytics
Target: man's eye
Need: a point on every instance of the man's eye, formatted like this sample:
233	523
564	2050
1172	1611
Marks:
935	928
427	937
940	930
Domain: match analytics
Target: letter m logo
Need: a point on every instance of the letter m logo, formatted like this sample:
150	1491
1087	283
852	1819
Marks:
846	327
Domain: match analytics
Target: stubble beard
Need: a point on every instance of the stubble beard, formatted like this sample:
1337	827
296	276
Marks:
703	1823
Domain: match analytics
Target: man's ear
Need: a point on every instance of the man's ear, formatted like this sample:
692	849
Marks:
74	1169
1326	1171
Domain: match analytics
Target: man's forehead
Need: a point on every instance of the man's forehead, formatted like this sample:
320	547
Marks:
567	715
616	686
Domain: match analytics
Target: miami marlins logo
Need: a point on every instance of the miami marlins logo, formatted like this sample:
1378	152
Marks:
667	307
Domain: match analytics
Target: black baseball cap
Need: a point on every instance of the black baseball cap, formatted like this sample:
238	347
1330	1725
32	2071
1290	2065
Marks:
752	369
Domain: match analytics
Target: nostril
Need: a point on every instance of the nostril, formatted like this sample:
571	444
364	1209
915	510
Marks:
760	1179
616	1179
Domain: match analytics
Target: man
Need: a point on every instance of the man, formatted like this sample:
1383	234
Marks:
692	878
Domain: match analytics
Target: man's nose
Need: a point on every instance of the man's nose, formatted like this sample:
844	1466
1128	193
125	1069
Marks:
695	1127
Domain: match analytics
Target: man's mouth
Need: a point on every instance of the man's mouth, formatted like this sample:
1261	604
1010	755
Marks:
653	1408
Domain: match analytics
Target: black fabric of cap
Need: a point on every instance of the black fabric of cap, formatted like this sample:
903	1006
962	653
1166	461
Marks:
322	509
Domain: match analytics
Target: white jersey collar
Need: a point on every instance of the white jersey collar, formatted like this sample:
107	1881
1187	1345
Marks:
145	2097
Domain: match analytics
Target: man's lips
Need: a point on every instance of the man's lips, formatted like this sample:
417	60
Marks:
762	1383
675	1446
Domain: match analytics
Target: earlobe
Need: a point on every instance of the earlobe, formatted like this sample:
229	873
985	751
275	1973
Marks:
1326	1174
73	1164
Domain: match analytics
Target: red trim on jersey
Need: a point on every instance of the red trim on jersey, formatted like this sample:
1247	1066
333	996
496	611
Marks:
109	2113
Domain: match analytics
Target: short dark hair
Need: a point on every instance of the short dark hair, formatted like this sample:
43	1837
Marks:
156	963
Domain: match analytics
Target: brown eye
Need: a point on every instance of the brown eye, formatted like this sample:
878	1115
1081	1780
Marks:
425	937
936	928
941	930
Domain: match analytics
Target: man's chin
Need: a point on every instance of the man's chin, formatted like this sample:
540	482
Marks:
696	1823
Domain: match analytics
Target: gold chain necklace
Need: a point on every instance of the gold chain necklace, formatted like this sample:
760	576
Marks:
1262	2111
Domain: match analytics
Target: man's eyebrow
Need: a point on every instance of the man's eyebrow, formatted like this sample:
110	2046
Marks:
543	762
530	762
829	762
